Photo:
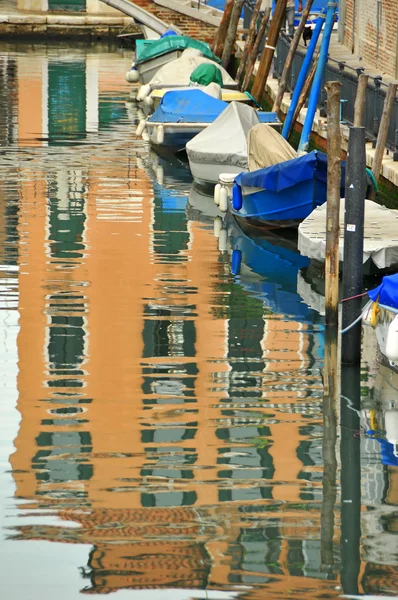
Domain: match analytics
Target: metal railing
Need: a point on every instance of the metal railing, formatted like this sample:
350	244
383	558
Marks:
348	77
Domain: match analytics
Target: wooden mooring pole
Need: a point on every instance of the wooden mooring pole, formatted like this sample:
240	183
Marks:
383	132
268	52
290	56
249	41
359	108
253	56
333	204
231	33
218	44
355	192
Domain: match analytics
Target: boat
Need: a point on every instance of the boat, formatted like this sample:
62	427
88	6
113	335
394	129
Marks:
280	189
380	250
222	147
181	115
382	315
151	55
177	73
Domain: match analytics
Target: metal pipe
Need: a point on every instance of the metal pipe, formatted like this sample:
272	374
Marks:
316	86
303	75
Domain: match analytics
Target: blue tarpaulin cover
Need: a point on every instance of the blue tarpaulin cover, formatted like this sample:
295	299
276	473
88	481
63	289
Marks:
187	106
281	176
290	172
387	291
148	49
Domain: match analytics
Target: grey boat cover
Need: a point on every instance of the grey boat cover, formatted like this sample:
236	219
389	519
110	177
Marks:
178	72
224	141
266	147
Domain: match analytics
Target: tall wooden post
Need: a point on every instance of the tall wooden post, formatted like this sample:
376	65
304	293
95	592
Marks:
268	52
218	44
383	131
253	56
231	33
249	41
360	100
333	204
290	56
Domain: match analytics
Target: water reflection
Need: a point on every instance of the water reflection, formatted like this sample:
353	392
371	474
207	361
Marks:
171	413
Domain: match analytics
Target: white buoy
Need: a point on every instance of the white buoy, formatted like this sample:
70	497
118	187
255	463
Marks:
392	342
159	174
217	188
391	424
222	239
140	128
145	136
132	76
160	135
223	199
217	226
143	92
148	100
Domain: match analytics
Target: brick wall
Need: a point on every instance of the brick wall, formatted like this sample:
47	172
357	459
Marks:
376	45
188	25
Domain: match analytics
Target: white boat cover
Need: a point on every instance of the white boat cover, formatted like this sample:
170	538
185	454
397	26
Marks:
266	147
380	235
178	72
225	140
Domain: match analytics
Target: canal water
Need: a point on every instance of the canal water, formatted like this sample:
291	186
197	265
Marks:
162	420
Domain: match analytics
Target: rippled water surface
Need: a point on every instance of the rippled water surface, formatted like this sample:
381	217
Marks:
162	420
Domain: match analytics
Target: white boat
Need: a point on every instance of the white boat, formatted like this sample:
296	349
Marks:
222	147
177	73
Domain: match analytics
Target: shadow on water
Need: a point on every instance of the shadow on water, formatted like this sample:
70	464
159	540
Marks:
166	424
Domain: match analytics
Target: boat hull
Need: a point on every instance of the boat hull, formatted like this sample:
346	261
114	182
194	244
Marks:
286	208
175	138
149	68
209	173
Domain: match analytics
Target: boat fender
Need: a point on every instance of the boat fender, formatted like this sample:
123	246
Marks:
223	199
217	189
160	135
392	342
391	424
140	128
148	100
236	261
222	239
374	313
237	200
145	136
132	76
160	174
143	92
217	226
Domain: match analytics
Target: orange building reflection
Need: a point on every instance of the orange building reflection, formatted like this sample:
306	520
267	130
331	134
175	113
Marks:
130	423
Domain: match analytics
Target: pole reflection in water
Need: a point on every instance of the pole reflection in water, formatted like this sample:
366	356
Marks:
330	398
350	477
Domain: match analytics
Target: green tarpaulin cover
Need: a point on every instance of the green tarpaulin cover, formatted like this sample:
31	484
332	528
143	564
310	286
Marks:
148	49
205	74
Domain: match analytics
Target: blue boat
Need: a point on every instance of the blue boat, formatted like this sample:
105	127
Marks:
182	114
284	194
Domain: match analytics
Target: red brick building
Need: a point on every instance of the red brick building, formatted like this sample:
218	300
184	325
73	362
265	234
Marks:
369	28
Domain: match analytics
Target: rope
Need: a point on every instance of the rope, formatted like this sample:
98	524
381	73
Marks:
365	308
